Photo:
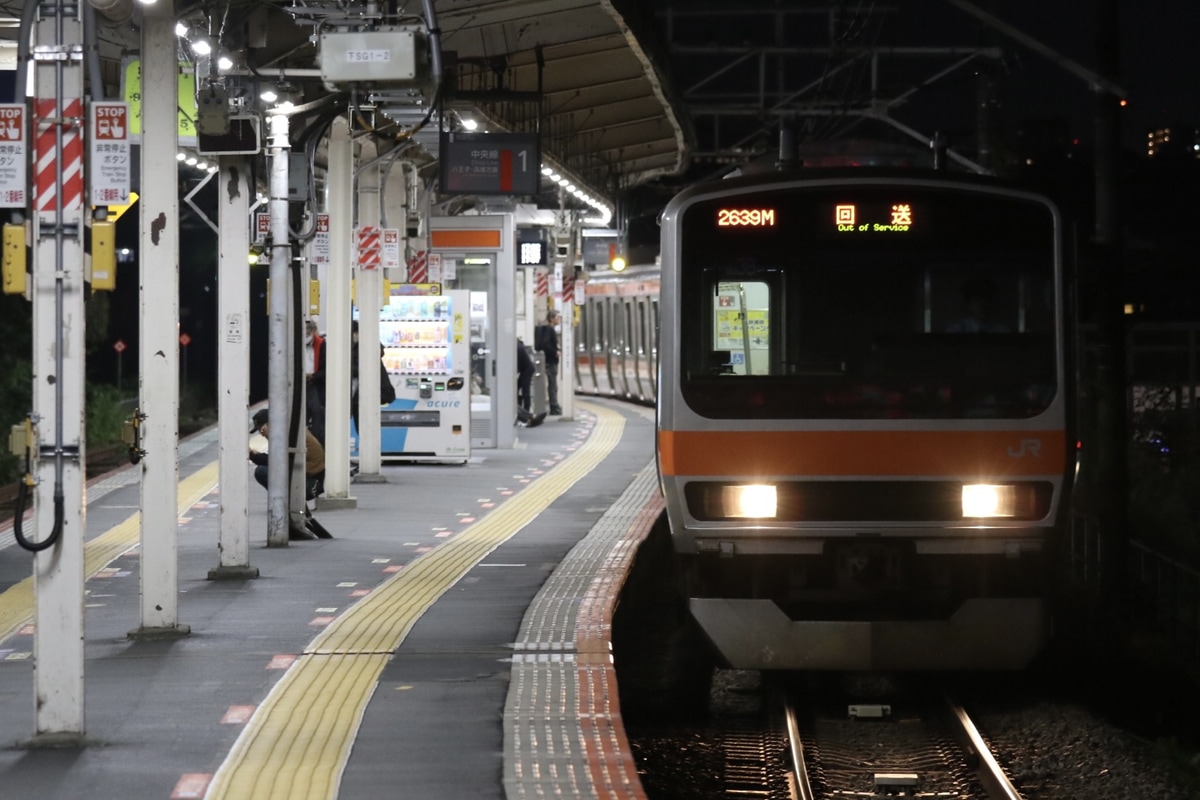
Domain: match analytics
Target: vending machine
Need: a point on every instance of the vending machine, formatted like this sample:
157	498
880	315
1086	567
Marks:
427	354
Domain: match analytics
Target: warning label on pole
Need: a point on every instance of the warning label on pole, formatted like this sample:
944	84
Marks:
111	164
391	248
262	226
13	166
320	252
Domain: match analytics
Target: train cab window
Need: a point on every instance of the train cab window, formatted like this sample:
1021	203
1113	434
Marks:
801	317
741	331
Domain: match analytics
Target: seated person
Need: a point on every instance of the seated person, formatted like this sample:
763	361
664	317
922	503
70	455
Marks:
314	462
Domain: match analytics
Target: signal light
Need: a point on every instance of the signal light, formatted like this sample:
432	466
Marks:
616	261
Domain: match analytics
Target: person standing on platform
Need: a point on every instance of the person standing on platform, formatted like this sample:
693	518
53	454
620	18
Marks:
545	339
314	378
387	389
525	370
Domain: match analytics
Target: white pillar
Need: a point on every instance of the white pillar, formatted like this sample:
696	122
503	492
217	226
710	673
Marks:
566	363
368	292
158	348
279	312
235	192
58	386
340	203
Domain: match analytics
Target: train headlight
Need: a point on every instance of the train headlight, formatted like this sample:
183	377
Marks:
985	500
749	501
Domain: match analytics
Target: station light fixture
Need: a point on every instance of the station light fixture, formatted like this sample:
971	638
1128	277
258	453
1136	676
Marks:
603	210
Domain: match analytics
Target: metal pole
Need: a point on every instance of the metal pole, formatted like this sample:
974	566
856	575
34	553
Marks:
278	349
1110	462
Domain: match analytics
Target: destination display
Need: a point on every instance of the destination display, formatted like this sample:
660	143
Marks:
490	163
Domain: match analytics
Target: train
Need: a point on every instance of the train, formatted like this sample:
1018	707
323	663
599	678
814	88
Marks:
864	394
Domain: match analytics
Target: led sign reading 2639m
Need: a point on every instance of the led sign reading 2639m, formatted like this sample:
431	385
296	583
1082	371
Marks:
898	220
748	217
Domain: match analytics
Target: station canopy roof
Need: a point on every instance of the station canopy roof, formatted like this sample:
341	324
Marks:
585	75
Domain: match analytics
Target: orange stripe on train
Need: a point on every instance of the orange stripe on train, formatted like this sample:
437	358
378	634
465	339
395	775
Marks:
867	453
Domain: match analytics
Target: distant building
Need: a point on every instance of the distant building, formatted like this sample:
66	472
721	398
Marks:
1173	142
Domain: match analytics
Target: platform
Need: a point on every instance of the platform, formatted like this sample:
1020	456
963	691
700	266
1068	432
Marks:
450	641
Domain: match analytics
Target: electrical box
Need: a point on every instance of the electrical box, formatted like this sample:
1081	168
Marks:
241	137
212	110
101	250
14	259
298	177
392	56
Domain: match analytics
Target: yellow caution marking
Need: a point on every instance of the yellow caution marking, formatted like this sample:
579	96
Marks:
16	603
298	742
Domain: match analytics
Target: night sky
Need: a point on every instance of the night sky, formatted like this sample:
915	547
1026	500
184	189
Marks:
1157	45
1157	57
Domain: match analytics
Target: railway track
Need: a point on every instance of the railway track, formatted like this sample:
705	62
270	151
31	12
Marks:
918	747
782	741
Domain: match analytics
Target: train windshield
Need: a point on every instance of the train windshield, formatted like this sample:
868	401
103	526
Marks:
868	302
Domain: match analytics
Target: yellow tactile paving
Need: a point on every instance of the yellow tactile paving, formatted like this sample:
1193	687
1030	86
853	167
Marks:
297	744
16	603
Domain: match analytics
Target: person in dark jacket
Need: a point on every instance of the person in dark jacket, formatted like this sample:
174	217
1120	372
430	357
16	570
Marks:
314	458
525	370
314	378
546	340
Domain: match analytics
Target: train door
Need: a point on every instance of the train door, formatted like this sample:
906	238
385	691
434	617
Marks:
652	305
629	371
585	372
611	339
643	347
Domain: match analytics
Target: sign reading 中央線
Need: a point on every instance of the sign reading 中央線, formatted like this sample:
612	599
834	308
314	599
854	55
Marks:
110	162
489	163
14	170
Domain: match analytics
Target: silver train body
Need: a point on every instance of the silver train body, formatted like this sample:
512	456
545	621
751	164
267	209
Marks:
864	404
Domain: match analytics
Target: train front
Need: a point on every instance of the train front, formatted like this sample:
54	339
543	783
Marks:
863	419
